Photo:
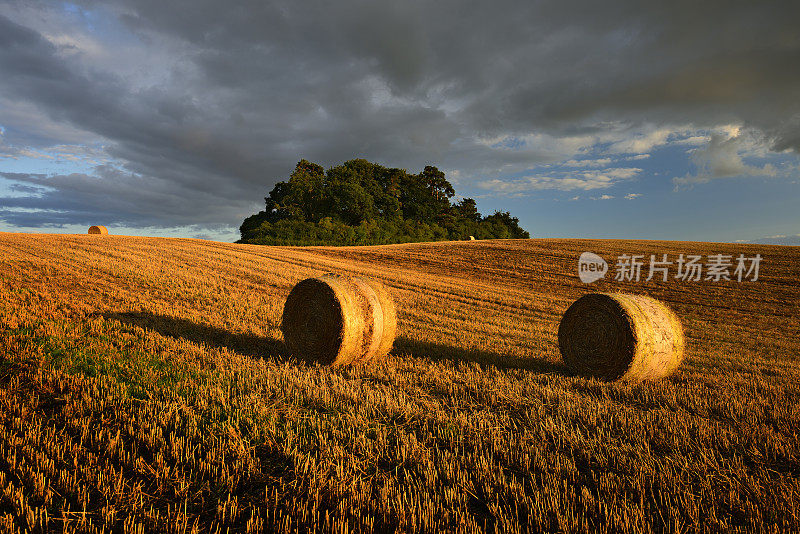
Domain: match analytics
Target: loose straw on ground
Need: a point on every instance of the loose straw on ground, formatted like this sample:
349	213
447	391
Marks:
621	337
338	320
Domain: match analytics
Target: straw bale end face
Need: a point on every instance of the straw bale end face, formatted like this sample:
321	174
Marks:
313	322
621	337
98	230
337	320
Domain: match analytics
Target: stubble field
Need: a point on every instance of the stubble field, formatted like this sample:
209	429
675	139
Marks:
144	386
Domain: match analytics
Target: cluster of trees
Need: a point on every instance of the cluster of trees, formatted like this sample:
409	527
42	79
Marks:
362	203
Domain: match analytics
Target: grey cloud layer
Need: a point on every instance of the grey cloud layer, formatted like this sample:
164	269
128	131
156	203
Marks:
228	97
116	197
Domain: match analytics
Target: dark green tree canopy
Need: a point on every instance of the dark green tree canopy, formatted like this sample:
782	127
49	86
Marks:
363	203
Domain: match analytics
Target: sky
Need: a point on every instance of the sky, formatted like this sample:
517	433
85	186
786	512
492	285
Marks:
586	119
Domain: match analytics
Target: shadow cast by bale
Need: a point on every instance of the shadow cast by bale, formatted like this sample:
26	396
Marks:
439	352
244	344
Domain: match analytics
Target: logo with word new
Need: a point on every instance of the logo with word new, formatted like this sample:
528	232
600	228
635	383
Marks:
591	267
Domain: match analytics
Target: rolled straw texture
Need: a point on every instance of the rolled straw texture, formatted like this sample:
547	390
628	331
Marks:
385	320
338	320
621	337
101	230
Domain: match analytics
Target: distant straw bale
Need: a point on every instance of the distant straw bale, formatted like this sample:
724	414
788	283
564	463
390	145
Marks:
621	337
99	230
338	320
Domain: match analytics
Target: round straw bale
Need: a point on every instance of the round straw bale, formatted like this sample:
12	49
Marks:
101	230
621	337
338	320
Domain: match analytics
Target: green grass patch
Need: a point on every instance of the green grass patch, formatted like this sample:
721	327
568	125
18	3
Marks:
111	353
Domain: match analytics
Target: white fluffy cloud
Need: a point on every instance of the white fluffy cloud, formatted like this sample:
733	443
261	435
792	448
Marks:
583	181
722	157
599	162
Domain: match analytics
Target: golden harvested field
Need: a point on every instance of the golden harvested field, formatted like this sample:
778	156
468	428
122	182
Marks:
144	386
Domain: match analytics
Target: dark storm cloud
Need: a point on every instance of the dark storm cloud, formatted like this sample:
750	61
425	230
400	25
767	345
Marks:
228	97
110	195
